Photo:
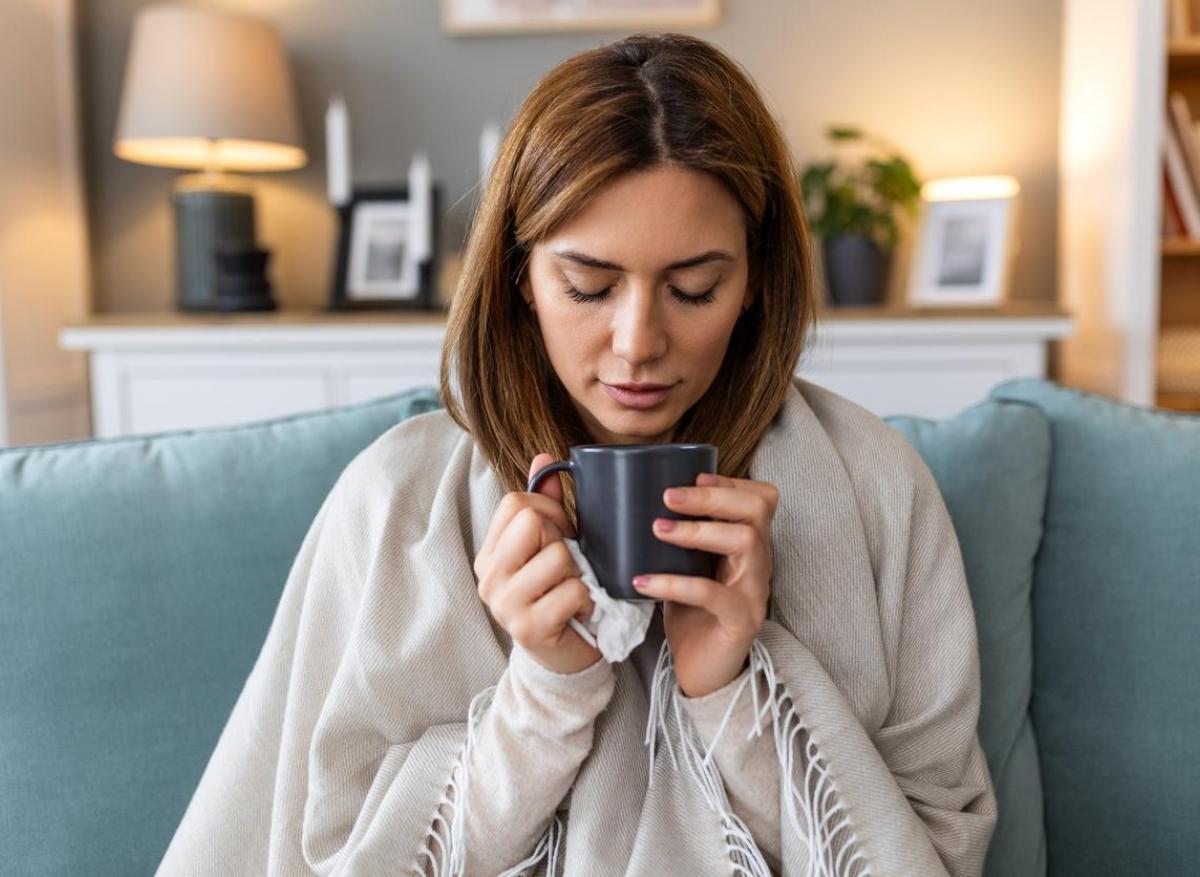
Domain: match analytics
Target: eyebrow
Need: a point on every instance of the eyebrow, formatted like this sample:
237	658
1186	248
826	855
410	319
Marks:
592	262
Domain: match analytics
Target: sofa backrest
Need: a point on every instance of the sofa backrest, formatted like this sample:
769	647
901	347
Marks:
992	462
141	575
1116	614
138	577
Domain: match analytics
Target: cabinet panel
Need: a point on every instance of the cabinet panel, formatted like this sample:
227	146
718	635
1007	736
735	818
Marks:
177	399
150	379
933	390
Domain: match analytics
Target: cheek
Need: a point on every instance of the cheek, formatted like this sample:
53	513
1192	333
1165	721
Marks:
697	337
570	333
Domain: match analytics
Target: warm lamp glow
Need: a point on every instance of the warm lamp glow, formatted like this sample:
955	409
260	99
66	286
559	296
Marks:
199	153
980	188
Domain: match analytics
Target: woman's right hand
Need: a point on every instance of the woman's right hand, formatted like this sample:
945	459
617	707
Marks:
530	582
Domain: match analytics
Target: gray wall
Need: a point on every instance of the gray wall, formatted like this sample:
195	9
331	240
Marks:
963	86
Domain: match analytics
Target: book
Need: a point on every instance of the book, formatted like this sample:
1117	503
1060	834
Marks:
1181	115
1180	179
1179	22
1172	221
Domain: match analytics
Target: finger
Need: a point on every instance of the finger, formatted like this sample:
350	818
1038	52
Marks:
768	490
514	502
566	600
719	537
550	486
525	536
694	591
546	569
723	503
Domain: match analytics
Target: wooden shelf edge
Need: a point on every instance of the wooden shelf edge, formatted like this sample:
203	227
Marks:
1184	47
1188	403
1180	246
1183	54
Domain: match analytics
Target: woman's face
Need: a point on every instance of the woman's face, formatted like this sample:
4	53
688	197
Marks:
657	260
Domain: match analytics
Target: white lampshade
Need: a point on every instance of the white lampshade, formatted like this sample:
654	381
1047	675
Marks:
207	88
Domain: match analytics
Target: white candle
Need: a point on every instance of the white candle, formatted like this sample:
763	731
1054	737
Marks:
337	151
489	142
419	199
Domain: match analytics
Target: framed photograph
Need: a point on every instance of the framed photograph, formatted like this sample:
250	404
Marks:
466	17
375	265
964	253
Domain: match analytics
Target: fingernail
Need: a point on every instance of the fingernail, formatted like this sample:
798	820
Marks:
664	524
640	582
674	494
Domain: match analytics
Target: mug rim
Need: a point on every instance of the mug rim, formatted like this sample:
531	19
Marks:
645	446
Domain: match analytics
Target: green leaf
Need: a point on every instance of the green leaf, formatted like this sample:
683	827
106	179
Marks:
843	132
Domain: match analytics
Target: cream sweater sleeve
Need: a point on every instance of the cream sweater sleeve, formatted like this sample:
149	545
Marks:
749	768
526	752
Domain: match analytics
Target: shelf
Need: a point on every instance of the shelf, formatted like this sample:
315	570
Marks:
1180	247
1015	308
1185	402
1183	55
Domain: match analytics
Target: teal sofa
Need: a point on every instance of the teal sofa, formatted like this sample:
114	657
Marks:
138	577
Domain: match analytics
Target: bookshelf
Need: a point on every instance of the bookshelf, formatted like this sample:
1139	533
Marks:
1177	366
1130	280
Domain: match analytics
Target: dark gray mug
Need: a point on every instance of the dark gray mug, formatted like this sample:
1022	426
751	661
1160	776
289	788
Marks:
618	494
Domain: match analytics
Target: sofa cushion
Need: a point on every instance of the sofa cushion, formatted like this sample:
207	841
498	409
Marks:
138	581
991	463
1116	610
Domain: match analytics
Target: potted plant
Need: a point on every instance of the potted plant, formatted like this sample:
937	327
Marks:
852	205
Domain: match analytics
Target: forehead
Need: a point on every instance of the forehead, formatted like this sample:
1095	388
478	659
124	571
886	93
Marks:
653	217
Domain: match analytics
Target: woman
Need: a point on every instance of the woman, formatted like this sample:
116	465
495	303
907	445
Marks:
421	704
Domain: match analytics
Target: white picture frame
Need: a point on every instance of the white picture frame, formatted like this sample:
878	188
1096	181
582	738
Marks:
475	17
964	253
381	246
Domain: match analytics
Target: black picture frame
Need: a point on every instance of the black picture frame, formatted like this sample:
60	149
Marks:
342	296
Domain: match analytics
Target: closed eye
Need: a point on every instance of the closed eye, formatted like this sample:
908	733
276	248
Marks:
695	298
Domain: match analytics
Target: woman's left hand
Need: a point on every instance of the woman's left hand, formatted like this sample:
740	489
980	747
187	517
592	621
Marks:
711	624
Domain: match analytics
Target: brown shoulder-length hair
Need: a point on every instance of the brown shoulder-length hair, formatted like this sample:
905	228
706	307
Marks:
643	101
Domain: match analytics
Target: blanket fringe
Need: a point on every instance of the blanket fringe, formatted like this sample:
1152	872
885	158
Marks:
450	858
811	808
547	849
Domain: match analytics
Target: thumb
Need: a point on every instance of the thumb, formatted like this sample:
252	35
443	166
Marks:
550	485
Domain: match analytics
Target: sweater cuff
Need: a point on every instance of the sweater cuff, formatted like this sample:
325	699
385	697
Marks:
707	710
529	669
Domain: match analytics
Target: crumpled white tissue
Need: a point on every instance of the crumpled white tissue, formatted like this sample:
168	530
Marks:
616	626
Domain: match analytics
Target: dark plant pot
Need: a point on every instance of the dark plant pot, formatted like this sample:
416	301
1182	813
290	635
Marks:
856	270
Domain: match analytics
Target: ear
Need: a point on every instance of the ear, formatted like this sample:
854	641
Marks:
747	299
526	289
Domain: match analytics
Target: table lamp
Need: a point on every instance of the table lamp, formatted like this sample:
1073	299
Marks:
207	90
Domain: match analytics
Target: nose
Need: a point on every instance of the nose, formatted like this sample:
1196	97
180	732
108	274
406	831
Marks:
638	333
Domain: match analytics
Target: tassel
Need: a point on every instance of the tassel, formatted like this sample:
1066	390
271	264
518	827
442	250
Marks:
548	848
811	809
744	853
452	848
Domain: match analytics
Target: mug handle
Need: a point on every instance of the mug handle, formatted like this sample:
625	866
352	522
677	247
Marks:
556	466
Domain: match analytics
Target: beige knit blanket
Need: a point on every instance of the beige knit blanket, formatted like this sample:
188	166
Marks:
381	657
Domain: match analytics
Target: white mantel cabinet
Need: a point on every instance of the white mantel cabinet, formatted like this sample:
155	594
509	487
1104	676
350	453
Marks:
152	373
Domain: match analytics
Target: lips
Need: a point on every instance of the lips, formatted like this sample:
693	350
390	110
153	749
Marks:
638	396
640	388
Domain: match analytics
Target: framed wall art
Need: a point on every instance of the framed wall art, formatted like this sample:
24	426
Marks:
474	17
386	251
967	242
